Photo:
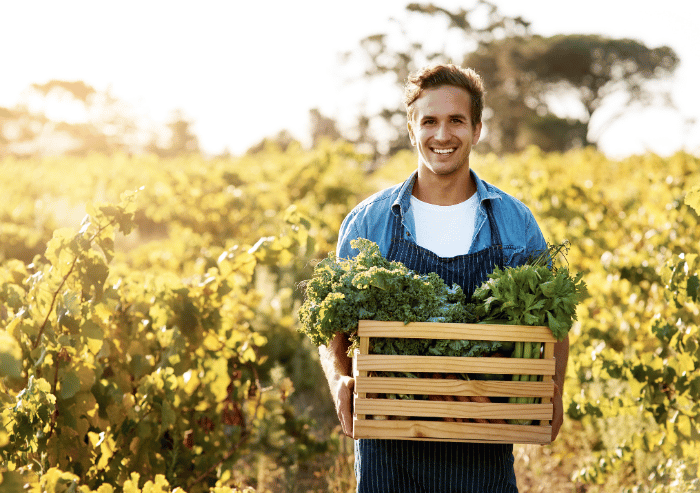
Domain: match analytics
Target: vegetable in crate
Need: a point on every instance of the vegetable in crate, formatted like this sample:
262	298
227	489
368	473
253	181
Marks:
537	293
369	287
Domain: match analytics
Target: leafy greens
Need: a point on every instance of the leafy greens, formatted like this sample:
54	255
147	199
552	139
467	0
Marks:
537	293
344	291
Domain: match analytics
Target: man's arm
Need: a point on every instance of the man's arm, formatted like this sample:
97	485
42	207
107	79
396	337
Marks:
561	354
337	366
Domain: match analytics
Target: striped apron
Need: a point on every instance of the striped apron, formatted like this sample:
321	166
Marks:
405	466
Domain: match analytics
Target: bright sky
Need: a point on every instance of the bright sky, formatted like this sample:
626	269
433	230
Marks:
242	70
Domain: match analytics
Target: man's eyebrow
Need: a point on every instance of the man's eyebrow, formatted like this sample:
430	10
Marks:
454	115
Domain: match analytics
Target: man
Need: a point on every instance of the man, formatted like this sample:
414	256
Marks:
442	219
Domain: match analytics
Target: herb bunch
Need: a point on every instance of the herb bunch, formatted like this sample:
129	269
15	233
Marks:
536	293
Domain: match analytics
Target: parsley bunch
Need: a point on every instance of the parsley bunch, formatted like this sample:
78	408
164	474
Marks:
368	287
537	293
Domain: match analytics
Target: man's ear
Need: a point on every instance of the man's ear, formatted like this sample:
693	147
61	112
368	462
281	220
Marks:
477	133
410	133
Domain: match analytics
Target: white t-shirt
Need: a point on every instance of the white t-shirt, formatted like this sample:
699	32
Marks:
446	231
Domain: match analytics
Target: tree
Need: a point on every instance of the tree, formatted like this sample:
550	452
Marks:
594	67
181	139
322	127
523	73
99	122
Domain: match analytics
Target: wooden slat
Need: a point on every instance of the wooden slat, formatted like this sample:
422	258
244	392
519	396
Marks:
439	386
454	364
549	354
359	374
454	432
476	332
442	429
452	409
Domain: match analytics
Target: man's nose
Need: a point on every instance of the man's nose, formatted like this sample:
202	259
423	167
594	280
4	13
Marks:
442	133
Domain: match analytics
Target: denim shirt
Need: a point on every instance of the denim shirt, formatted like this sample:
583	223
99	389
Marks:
371	219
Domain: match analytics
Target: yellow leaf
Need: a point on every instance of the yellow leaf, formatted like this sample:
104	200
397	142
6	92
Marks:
684	363
259	339
683	425
692	198
191	381
219	386
131	485
248	354
211	342
95	438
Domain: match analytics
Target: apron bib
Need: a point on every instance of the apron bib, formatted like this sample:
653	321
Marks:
405	466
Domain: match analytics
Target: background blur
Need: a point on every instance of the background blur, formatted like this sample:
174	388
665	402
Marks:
173	171
238	72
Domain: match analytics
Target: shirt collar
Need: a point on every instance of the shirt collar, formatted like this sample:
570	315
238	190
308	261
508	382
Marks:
403	199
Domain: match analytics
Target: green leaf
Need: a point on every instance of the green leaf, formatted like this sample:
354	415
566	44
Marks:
94	335
70	385
693	287
9	366
167	415
10	356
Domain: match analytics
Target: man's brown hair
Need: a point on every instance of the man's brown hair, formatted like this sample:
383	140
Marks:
434	76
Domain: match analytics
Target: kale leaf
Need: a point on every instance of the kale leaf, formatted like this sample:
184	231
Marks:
369	287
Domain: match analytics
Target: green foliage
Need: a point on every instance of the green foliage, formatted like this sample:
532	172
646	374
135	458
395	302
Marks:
194	287
146	374
369	287
537	293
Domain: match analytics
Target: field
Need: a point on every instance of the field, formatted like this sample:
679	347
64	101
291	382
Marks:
148	328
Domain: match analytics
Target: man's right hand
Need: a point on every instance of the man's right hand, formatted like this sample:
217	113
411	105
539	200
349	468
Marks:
343	399
337	367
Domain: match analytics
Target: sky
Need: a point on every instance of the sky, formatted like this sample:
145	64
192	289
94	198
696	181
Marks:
242	70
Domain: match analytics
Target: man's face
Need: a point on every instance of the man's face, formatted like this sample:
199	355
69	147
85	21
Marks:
442	131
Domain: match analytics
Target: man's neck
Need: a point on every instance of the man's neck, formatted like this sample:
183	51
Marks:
443	189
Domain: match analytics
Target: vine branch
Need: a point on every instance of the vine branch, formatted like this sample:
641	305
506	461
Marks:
63	282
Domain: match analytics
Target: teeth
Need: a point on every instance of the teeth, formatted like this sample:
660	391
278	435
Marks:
443	151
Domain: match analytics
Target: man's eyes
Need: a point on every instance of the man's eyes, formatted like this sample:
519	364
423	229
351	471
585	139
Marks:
433	122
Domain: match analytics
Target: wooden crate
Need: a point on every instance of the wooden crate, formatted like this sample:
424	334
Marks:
424	419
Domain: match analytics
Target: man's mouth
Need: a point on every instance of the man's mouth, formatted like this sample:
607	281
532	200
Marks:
444	151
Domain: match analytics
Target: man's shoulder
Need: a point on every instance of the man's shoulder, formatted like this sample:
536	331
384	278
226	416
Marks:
504	200
378	201
369	219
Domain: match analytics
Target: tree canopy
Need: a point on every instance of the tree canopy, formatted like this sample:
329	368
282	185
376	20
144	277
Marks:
524	73
105	125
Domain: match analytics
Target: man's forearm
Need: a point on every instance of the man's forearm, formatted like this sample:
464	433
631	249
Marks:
337	366
334	358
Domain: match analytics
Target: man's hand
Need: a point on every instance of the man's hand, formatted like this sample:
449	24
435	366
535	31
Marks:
343	399
337	367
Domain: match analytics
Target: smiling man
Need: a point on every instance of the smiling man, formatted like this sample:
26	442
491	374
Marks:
442	219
